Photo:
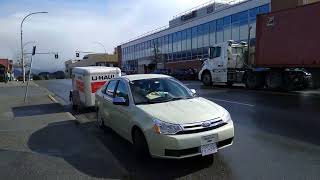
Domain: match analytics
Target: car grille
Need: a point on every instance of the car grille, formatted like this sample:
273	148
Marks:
199	127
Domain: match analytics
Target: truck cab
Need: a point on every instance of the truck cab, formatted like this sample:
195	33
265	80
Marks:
225	64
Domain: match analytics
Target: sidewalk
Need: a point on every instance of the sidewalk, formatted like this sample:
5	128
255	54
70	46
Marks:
41	140
38	103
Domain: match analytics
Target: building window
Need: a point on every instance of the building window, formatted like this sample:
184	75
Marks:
227	28
194	42
206	35
264	9
219	31
212	33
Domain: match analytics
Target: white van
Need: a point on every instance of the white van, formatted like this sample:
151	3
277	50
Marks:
87	80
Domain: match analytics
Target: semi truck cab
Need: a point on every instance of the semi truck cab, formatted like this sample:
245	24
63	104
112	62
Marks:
226	64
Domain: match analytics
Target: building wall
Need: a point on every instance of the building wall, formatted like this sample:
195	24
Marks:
191	40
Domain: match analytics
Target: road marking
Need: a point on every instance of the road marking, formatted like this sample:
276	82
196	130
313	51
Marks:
53	99
232	102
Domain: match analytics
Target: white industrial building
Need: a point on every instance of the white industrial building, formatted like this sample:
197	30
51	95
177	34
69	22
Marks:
188	36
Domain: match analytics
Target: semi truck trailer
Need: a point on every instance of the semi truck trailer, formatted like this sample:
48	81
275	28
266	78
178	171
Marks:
286	54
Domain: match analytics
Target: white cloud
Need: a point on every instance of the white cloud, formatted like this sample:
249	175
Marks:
66	29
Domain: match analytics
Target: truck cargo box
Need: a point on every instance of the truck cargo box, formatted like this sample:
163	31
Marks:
289	38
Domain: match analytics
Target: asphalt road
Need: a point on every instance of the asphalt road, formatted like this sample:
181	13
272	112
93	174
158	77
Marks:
276	137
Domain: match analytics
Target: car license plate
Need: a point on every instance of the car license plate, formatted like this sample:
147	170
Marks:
208	144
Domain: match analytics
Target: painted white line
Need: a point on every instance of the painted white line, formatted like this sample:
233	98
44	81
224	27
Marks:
232	102
53	99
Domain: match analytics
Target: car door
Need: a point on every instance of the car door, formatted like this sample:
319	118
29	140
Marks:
219	65
107	103
122	116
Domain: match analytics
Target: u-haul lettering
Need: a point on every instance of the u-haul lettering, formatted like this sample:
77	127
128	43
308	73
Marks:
102	77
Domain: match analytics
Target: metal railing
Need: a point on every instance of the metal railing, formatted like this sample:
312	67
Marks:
221	5
147	33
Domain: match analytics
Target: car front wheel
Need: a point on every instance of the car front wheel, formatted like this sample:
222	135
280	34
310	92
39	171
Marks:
140	145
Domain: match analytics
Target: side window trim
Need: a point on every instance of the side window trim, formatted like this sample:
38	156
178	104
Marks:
127	89
106	89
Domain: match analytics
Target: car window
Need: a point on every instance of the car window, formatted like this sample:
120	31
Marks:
158	90
122	90
110	88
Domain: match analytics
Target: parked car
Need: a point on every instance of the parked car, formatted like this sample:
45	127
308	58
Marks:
161	71
161	117
185	74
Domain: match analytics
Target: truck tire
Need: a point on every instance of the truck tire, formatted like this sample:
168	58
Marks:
75	100
254	80
229	84
274	80
206	78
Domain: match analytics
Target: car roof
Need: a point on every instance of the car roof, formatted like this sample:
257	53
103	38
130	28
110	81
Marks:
144	76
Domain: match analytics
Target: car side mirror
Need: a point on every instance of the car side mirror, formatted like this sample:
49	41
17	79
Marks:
193	91
120	101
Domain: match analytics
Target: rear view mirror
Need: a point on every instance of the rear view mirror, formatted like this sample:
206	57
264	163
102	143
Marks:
193	91
120	101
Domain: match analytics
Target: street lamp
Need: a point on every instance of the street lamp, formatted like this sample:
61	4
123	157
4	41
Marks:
22	60
105	51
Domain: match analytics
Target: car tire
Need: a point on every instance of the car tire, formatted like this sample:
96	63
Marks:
140	145
100	122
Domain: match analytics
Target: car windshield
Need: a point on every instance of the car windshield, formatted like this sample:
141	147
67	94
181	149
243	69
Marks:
158	90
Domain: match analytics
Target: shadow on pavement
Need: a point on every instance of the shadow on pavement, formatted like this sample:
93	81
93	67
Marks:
39	109
122	150
104	154
65	140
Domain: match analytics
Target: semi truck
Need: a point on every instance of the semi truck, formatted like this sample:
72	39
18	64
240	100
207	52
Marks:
286	54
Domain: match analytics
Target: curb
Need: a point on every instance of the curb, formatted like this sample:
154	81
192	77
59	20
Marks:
58	102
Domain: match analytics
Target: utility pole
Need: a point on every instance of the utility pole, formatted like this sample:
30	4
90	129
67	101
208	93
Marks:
29	76
21	42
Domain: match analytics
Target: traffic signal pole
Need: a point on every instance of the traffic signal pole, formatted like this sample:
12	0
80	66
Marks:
29	76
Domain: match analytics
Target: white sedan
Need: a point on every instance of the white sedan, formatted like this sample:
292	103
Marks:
163	118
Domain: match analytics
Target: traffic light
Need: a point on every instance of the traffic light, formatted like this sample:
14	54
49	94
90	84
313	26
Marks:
56	56
77	55
34	50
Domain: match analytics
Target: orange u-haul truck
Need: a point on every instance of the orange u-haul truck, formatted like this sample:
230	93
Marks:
86	81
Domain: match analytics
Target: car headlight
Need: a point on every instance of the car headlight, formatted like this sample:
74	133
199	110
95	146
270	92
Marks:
161	127
225	115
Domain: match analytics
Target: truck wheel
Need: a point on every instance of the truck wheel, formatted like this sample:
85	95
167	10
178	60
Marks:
254	81
206	79
229	84
274	80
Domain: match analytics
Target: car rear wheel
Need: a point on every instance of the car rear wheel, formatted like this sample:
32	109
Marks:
100	122
140	145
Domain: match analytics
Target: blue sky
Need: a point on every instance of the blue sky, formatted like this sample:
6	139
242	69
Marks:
75	24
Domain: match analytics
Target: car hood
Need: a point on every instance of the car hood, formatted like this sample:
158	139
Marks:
183	111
